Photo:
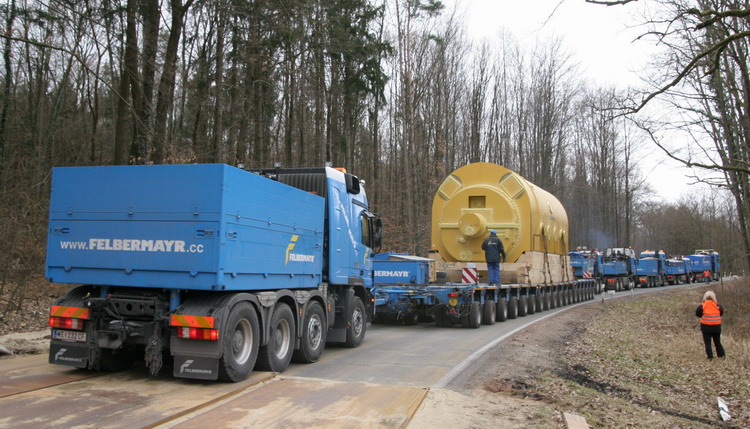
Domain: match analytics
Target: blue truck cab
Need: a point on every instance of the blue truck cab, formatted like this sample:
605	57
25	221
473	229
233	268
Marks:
677	271
652	268
220	269
619	268
699	264
714	262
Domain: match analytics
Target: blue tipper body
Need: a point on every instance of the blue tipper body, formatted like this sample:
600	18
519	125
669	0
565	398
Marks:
203	227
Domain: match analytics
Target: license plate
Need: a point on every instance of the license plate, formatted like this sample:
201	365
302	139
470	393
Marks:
77	336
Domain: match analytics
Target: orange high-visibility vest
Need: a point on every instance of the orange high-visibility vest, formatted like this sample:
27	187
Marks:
711	313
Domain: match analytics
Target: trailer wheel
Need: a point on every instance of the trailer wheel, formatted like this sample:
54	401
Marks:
474	318
313	335
489	311
239	344
512	307
441	319
531	306
552	300
545	301
355	333
276	355
501	313
523	306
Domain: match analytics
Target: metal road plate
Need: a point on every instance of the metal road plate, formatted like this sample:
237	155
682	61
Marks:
61	334
307	402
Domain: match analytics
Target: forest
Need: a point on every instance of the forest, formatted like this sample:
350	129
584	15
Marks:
393	91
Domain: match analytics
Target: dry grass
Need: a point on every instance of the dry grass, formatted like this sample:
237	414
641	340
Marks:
641	363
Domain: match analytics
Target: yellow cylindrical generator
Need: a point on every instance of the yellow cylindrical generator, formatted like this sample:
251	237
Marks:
480	197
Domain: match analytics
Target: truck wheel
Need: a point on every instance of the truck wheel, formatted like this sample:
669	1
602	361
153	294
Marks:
553	300
275	355
531	307
501	313
523	306
355	333
489	310
440	318
475	316
545	301
512	307
313	335
239	344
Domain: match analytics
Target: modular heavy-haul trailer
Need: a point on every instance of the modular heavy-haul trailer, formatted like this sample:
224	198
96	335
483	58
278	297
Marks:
220	269
533	227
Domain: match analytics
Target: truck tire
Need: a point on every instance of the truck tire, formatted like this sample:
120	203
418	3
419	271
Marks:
523	306
357	325
552	300
489	310
276	355
512	307
545	301
501	313
313	336
531	307
475	315
441	319
239	343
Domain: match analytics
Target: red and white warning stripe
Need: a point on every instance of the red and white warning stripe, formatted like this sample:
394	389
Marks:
469	275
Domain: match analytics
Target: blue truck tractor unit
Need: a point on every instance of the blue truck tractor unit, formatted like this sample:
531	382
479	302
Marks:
587	264
699	265
619	268
714	262
652	268
677	270
217	269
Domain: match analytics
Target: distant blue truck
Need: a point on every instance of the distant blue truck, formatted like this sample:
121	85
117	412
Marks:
619	268
652	268
587	264
705	260
217	269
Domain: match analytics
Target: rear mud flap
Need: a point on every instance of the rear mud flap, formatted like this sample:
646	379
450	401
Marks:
68	354
201	368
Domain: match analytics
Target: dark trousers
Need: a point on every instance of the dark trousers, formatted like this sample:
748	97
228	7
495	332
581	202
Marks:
716	336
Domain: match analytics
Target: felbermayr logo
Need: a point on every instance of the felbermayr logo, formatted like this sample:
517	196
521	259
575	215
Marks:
296	257
185	367
60	353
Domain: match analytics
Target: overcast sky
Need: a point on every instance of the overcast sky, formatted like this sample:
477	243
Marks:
602	42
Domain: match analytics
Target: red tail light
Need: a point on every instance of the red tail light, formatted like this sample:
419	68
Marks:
452	295
198	333
65	323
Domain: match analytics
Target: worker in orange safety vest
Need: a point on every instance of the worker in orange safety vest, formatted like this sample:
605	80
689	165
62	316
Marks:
710	313
707	276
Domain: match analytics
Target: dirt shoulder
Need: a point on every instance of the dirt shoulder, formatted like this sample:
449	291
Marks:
632	362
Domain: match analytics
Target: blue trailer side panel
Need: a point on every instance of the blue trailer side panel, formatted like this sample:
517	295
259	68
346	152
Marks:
202	227
392	268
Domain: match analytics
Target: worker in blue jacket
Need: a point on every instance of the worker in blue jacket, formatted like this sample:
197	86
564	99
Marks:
493	249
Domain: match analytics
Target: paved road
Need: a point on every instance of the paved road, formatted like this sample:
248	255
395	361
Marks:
425	355
380	384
